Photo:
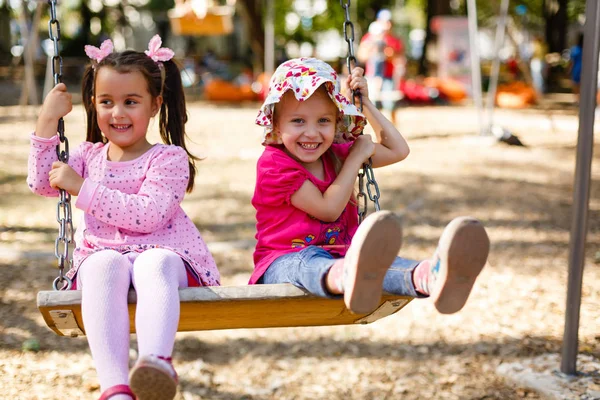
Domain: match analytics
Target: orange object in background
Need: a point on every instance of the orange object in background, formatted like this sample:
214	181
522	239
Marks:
451	89
263	80
515	95
220	90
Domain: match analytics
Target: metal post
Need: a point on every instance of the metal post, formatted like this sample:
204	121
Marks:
493	86
581	192
475	61
270	37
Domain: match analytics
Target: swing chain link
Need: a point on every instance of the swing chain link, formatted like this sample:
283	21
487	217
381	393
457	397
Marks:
350	58
63	208
367	168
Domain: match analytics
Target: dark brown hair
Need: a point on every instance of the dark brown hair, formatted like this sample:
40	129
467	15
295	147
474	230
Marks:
172	115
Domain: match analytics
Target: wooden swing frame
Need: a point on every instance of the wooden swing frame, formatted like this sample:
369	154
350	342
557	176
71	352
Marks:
227	307
220	307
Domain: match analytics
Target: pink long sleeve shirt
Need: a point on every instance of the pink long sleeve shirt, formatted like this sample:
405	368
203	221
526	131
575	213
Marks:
128	206
282	228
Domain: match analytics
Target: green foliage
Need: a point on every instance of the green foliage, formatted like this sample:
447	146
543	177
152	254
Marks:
160	5
362	14
534	19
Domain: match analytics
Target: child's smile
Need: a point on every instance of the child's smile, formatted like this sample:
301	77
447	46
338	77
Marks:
120	128
309	146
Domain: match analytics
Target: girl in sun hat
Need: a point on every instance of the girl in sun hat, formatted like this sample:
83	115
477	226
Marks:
307	223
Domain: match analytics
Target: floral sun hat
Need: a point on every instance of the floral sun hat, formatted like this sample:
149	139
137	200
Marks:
303	76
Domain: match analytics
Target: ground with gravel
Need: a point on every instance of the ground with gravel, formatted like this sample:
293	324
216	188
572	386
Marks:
516	311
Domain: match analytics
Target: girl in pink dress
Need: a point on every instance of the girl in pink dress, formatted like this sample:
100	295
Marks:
133	231
307	224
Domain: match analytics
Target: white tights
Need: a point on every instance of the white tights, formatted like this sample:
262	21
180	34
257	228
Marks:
104	279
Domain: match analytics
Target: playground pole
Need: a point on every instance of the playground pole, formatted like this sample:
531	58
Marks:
270	37
475	61
493	86
581	192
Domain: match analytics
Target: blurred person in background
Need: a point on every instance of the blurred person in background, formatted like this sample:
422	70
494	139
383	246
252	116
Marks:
383	55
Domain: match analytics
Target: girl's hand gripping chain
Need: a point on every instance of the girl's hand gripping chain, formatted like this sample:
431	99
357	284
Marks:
56	105
390	147
64	177
357	82
362	149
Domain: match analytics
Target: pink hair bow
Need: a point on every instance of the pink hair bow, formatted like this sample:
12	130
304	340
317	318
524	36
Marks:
98	54
157	53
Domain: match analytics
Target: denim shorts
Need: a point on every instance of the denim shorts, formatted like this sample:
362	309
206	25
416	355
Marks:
307	269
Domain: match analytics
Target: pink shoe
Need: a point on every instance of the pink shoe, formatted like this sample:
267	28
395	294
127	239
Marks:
462	252
114	390
372	251
153	378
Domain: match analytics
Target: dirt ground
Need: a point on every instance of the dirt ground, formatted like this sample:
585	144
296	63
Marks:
522	194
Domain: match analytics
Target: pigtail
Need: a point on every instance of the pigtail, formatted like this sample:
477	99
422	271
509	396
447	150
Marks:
93	133
173	114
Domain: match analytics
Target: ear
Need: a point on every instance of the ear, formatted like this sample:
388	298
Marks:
157	105
93	98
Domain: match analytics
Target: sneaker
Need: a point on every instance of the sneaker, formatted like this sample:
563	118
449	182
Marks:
461	254
153	378
374	247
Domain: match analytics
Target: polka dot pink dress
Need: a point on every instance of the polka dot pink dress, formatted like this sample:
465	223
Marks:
128	206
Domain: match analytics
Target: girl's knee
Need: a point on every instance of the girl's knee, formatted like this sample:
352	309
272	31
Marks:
158	262
105	265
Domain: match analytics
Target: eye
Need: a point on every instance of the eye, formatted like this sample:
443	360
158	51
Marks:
297	120
105	102
324	120
130	102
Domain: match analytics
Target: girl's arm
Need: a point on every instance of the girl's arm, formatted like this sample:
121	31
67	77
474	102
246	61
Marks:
391	147
329	206
149	209
42	151
56	105
43	161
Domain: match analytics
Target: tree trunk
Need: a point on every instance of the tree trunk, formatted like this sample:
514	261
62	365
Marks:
5	33
253	14
434	8
555	13
29	90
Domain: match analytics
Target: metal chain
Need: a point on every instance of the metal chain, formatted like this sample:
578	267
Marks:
63	209
367	167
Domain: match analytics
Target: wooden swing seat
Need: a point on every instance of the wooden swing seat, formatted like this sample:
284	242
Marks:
227	307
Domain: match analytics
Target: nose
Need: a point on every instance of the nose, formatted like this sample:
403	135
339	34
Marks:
118	112
312	131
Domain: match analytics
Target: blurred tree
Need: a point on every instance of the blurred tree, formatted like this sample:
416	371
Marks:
310	25
159	10
5	43
434	8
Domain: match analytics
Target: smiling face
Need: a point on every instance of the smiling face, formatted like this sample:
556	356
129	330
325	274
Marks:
124	108
307	128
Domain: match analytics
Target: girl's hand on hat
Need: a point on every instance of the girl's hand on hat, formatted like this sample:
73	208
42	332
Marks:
62	176
362	148
358	83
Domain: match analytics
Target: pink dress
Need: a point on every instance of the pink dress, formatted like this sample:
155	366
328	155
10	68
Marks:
128	206
282	228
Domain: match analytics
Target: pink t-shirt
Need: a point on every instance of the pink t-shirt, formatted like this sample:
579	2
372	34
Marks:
282	228
128	206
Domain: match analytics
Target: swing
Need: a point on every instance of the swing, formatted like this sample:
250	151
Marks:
217	307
